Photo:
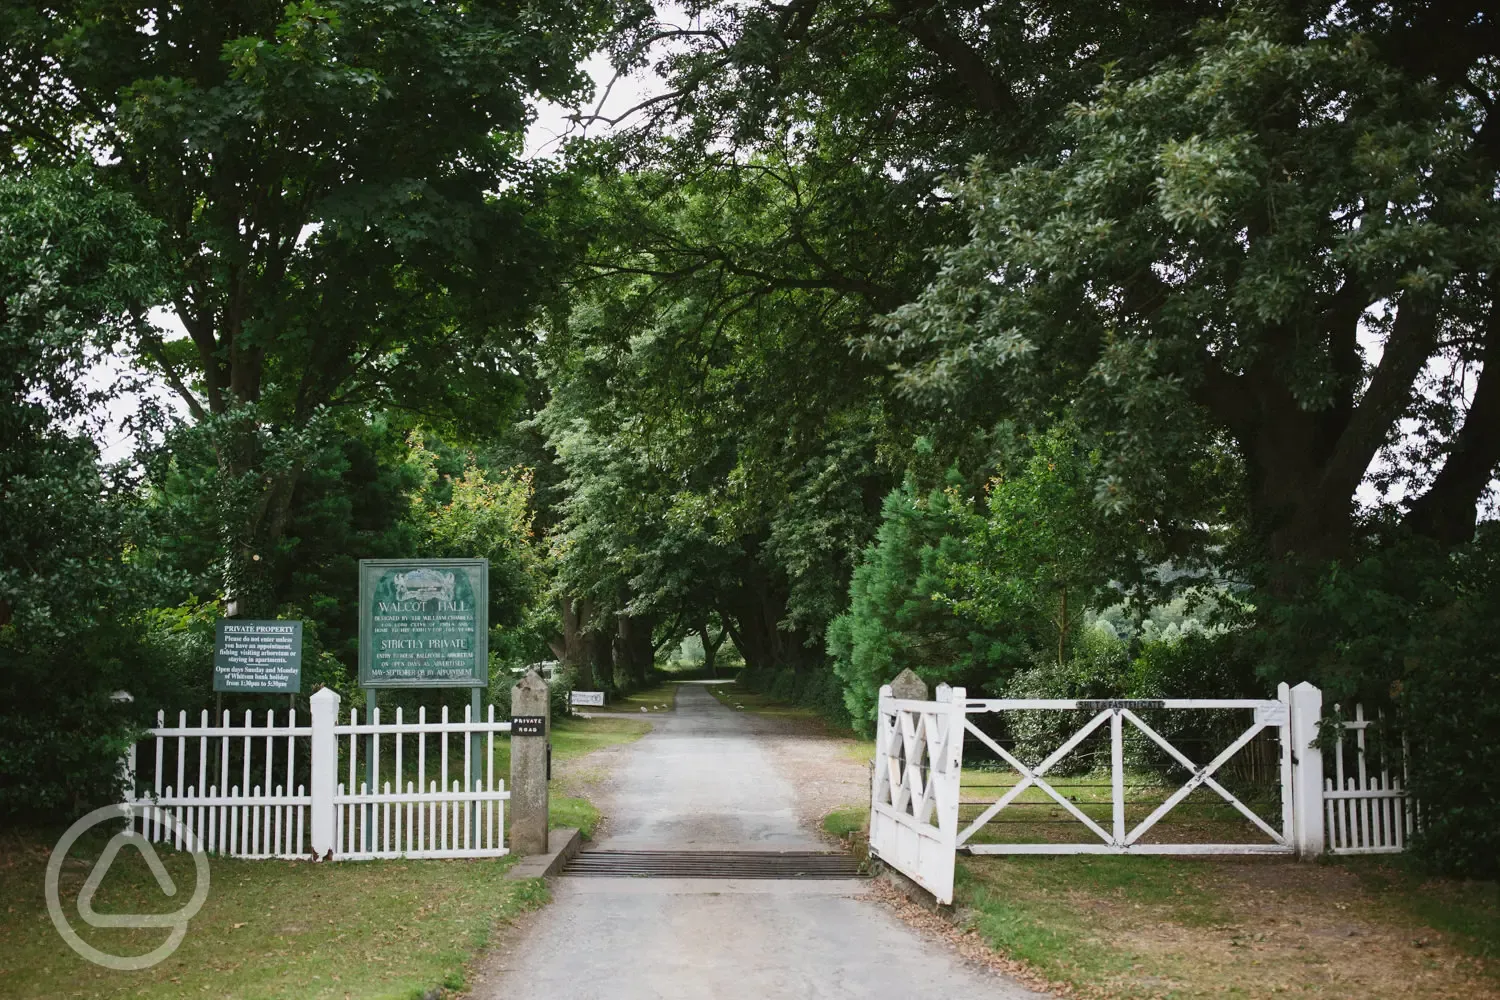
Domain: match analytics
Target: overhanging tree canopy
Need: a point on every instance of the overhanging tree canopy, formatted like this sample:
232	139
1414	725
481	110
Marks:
1196	265
344	205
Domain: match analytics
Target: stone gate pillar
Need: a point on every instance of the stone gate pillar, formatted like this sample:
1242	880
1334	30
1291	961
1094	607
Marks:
531	725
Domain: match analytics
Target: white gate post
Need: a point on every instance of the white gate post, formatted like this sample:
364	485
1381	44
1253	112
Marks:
1307	770
879	769
325	759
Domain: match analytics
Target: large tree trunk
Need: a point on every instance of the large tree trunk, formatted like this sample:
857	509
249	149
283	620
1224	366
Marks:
254	504
1296	519
711	647
1303	464
634	649
576	653
1449	510
753	612
602	652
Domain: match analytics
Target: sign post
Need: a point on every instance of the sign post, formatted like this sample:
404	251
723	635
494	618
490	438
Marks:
424	623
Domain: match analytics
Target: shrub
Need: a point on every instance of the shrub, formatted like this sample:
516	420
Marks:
898	616
820	690
1198	663
1099	669
1411	628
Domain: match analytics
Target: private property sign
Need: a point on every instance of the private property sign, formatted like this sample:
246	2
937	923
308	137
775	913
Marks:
423	623
258	656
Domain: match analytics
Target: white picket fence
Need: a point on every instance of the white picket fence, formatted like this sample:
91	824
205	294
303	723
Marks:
1367	809
430	818
277	811
244	820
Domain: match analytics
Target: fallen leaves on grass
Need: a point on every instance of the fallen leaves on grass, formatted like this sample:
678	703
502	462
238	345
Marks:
969	945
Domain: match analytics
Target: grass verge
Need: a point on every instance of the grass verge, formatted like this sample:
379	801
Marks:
1467	911
847	821
370	930
742	699
661	698
1173	927
1140	927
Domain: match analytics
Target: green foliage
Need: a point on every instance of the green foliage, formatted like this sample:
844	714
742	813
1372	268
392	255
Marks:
1043	552
898	617
1408	628
74	260
721	445
343	204
486	515
1098	668
1187	271
968	597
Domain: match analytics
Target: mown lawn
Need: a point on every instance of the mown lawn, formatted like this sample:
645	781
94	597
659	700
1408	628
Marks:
373	929
1140	927
1179	927
1133	928
1175	927
366	930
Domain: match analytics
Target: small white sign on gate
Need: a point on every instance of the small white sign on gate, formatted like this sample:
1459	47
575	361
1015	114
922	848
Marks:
586	698
1272	713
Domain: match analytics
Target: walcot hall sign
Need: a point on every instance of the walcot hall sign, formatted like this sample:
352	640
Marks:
260	656
423	623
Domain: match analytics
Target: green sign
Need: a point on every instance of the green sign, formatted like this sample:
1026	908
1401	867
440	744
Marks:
424	622
260	656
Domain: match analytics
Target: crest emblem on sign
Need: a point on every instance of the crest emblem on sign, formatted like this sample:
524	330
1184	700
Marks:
424	585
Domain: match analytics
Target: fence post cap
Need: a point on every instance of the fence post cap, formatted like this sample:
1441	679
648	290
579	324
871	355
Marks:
909	687
324	696
531	681
1306	687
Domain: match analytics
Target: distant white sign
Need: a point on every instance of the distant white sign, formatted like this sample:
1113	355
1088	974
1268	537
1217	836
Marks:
586	698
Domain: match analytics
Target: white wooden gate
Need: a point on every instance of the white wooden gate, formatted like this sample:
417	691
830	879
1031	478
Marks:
918	774
1366	806
919	752
1120	837
249	791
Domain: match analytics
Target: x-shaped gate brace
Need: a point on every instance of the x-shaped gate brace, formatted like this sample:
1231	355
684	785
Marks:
908	791
1266	714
